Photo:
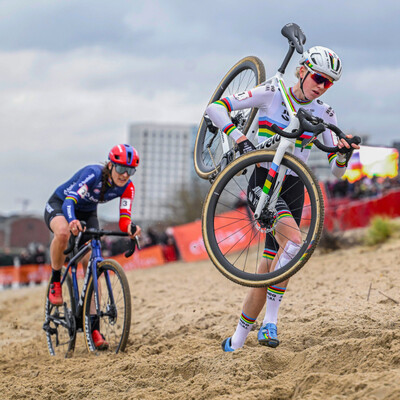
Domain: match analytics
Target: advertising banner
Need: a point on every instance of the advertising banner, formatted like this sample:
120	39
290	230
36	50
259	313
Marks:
233	226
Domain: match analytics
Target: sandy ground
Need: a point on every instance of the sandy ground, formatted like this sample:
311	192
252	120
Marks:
336	343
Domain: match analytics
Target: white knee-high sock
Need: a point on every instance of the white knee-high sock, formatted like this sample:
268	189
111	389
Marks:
274	298
275	293
242	330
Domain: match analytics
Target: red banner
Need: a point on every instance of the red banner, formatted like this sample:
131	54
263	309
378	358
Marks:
144	258
357	214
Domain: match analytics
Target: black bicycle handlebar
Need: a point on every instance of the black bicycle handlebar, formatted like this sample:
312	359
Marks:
86	235
315	125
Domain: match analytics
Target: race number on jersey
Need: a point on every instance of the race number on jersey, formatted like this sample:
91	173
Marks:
243	95
126	204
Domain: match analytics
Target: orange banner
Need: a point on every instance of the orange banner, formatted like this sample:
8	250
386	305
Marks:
33	273
7	275
237	234
141	259
24	274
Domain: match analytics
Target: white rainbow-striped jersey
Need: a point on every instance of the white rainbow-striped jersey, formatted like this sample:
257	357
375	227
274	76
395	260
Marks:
272	110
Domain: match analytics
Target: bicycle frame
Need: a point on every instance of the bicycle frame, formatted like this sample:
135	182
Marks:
276	142
95	247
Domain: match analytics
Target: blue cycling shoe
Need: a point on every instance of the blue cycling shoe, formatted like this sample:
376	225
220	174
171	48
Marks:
268	335
226	345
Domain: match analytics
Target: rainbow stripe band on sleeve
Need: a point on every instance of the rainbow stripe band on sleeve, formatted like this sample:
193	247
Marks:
331	157
72	198
225	103
124	215
340	164
228	129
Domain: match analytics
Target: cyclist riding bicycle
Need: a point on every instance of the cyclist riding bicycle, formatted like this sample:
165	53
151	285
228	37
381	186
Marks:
319	68
77	199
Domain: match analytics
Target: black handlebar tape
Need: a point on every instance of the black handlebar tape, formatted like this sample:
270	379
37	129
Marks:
76	239
344	150
355	139
69	248
292	135
73	243
132	249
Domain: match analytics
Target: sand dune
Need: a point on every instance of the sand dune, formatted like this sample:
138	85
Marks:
336	343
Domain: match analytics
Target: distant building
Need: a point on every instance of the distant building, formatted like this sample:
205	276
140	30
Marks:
18	231
166	165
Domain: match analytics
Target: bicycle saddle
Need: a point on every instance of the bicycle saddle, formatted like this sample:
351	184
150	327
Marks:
295	36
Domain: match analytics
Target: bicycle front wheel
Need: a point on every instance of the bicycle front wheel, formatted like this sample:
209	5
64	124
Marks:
236	242
244	75
113	320
60	324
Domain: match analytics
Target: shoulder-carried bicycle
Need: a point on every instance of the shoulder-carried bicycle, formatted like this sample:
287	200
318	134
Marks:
233	233
104	301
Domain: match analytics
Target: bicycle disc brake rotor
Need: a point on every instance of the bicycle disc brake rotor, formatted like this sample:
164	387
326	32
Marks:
267	221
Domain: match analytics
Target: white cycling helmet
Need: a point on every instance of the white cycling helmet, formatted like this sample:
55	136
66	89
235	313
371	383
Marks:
322	59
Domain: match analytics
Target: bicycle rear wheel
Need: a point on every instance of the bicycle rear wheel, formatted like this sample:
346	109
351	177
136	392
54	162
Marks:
115	307
244	75
235	241
60	324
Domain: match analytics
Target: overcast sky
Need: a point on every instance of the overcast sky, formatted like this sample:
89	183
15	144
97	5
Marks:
75	74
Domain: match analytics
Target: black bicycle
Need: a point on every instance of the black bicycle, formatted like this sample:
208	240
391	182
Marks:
104	302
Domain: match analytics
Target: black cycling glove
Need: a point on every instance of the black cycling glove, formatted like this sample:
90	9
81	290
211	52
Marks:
245	147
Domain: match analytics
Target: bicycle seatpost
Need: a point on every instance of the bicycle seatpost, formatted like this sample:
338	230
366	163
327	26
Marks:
296	37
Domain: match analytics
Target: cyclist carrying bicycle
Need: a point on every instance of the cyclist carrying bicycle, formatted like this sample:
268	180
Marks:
319	68
77	200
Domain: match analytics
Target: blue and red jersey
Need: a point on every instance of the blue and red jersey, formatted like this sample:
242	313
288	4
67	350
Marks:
82	193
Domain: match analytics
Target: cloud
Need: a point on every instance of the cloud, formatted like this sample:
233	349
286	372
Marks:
68	109
76	74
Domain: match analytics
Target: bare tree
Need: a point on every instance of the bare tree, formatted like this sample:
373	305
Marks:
186	206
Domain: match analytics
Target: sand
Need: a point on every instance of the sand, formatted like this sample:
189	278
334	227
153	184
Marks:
336	341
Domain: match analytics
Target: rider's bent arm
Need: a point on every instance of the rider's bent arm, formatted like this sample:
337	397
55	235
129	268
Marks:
337	161
77	192
68	208
219	111
125	207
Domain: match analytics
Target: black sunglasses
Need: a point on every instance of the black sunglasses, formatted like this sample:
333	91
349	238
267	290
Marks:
121	169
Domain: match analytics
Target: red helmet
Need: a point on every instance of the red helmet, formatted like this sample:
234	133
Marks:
124	154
